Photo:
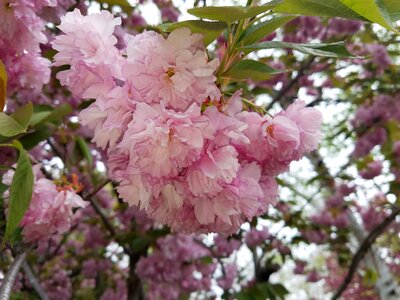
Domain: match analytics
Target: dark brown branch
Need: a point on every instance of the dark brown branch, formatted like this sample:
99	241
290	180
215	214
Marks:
363	249
97	208
11	275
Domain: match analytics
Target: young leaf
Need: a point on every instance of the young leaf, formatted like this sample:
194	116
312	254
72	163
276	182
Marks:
3	86
373	10
255	33
337	49
323	8
250	69
210	30
230	14
20	192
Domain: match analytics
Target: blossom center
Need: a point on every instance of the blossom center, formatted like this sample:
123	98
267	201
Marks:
170	72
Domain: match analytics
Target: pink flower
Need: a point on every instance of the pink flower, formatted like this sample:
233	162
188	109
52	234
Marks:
309	121
87	39
109	117
372	170
50	210
175	70
88	46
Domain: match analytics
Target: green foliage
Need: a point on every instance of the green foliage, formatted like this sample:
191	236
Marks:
210	30
373	10
256	32
17	122
250	69
84	148
231	14
20	192
336	50
48	114
263	291
325	8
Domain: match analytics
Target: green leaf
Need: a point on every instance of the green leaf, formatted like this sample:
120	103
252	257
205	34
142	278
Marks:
3	85
337	49
279	290
9	127
84	148
210	30
38	117
50	115
373	10
23	115
17	122
251	69
230	14
20	192
32	139
323	8
257	32
393	9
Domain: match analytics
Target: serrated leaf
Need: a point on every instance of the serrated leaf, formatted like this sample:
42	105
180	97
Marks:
211	30
337	50
20	192
255	33
3	86
230	14
251	69
373	10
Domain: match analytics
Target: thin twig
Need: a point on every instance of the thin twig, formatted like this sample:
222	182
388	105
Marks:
363	249
34	281
291	83
11	275
97	208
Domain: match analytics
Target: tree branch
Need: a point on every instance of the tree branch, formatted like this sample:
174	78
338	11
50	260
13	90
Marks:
363	249
291	83
97	208
11	275
34	281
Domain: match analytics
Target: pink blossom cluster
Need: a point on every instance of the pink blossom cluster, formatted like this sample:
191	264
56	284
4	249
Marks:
308	28
51	208
21	33
334	212
256	237
370	120
180	150
176	267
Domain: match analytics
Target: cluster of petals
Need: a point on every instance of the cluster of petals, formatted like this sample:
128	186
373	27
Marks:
180	150
50	210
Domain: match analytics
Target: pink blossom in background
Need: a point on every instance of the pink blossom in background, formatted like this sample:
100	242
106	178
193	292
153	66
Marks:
169	270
